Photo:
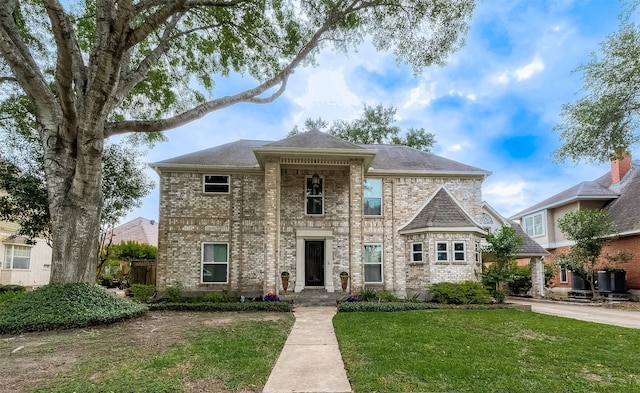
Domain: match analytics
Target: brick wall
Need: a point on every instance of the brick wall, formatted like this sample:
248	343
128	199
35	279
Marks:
630	243
188	217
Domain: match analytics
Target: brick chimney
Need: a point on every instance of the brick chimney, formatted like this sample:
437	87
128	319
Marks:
619	168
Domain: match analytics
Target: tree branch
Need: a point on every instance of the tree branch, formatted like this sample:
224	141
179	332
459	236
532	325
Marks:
25	69
70	67
5	79
251	95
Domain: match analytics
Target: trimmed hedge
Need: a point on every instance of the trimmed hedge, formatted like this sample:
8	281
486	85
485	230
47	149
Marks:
65	306
246	306
402	306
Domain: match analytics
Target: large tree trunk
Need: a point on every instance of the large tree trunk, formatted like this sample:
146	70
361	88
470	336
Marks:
73	167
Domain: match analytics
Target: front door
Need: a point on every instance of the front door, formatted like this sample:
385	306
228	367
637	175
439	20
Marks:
314	263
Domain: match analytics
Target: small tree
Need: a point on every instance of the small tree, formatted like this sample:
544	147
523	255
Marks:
504	245
591	230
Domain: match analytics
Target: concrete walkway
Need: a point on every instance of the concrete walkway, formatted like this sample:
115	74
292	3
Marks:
583	312
310	360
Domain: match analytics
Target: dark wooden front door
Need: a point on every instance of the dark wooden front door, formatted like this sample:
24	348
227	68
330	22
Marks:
314	263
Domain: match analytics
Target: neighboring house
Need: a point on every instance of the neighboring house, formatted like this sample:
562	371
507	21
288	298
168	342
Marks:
22	263
529	252
617	192
235	216
139	230
142	231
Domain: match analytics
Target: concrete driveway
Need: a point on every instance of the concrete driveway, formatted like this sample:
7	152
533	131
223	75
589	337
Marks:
583	312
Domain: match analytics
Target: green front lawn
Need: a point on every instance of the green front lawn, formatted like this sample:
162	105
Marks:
486	351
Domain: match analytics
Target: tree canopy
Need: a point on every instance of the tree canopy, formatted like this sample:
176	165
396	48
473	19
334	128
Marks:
101	68
374	126
602	124
504	244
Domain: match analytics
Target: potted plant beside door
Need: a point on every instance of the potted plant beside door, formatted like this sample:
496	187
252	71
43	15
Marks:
285	280
344	279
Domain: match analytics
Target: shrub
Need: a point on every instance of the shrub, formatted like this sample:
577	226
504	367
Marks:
174	292
368	295
237	306
468	292
8	292
387	296
142	293
519	280
65	306
403	306
106	281
12	288
216	297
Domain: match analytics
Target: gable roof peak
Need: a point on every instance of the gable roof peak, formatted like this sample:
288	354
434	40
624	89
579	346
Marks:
313	139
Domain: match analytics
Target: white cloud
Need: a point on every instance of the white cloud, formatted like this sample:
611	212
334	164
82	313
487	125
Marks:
420	96
508	197
536	66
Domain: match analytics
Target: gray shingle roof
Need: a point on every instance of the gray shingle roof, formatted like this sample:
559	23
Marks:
584	190
441	212
622	199
530	247
625	210
313	139
397	157
237	154
393	158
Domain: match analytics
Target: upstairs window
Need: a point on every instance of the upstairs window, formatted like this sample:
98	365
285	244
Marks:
216	184
315	195
17	257
534	225
372	197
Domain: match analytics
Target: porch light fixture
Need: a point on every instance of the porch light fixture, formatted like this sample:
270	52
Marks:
315	180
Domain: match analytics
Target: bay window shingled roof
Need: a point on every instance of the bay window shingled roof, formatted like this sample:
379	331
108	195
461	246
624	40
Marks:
441	211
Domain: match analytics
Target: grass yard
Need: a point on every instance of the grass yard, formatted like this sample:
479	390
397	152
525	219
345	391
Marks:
159	352
486	351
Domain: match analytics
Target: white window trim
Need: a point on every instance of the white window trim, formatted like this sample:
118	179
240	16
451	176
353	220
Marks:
464	251
13	248
413	252
381	199
202	263
533	224
566	275
204	184
306	197
381	263
438	251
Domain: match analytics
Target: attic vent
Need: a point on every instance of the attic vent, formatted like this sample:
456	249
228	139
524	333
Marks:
313	161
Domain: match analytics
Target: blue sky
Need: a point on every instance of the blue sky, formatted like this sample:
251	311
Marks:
493	105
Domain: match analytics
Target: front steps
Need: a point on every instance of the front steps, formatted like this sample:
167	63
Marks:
312	297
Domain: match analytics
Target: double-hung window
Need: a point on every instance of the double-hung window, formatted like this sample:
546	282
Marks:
373	263
459	254
216	184
314	195
416	252
563	275
215	263
372	197
442	251
17	257
534	225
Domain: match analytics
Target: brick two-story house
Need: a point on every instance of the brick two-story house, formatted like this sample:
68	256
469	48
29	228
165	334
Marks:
616	192
234	217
